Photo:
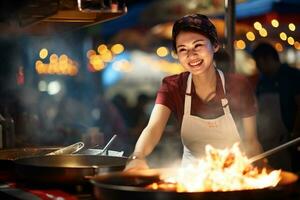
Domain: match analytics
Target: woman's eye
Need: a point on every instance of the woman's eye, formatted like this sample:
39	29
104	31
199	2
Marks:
198	45
181	50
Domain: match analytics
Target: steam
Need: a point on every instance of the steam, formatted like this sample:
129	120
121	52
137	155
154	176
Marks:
168	152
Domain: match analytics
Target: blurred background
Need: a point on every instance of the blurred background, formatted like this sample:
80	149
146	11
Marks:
85	70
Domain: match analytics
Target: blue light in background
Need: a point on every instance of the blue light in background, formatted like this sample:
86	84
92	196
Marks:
111	76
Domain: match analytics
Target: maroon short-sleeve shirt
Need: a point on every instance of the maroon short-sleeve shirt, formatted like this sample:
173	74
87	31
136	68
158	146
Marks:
240	95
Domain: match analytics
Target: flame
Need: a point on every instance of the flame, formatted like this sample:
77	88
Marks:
219	170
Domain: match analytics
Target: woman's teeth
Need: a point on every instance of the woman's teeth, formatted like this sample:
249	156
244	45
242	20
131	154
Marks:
195	63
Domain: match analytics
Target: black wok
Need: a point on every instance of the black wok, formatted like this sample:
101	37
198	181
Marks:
121	185
12	154
7	157
65	169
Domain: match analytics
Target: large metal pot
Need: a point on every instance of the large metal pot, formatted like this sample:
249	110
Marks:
120	185
65	169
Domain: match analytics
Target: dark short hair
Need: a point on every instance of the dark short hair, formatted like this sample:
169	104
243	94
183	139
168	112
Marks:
196	23
264	49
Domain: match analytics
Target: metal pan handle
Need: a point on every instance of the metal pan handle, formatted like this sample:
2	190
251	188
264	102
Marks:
274	150
68	150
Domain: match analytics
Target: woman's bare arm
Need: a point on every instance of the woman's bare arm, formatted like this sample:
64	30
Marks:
251	143
150	136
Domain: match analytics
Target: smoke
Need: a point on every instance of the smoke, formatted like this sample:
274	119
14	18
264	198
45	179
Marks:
168	152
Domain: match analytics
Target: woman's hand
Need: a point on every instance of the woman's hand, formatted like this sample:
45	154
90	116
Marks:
263	163
135	163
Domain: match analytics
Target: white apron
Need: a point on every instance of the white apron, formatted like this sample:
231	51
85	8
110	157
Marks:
197	132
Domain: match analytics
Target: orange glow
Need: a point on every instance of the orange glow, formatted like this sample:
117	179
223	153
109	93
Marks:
102	49
62	65
162	51
250	36
117	48
297	45
220	170
63	58
240	44
90	53
96	62
107	56
53	58
291	40
278	47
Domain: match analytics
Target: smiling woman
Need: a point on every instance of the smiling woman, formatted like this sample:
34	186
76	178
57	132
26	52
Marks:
206	102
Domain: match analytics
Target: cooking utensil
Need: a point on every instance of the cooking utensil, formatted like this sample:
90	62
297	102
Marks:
68	149
104	150
86	151
120	185
65	169
274	150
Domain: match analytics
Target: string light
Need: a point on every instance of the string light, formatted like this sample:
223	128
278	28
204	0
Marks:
292	26
275	23
250	36
283	36
240	44
263	32
43	53
291	40
257	25
278	47
162	51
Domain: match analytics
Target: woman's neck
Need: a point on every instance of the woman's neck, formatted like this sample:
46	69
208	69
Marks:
207	79
206	84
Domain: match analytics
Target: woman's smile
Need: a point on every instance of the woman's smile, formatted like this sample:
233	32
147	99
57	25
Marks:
195	63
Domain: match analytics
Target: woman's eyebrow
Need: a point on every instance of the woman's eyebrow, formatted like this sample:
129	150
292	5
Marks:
181	45
200	40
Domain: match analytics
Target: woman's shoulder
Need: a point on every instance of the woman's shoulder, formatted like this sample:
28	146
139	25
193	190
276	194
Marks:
235	80
238	84
235	76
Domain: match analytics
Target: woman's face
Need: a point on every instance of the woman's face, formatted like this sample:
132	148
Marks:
195	52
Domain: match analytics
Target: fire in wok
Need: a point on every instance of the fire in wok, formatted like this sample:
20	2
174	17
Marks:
220	170
222	174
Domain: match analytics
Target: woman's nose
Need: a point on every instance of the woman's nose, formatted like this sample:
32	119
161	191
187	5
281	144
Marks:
191	52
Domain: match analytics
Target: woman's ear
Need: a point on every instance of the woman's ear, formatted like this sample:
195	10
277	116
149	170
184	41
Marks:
216	47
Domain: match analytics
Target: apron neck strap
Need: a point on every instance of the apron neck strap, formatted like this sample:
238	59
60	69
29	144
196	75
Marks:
189	85
222	80
188	94
224	101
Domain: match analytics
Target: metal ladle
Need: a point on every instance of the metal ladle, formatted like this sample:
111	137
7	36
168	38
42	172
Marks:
274	150
68	149
107	145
